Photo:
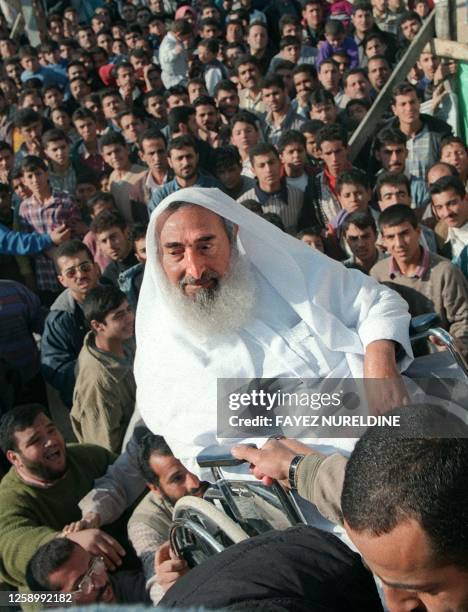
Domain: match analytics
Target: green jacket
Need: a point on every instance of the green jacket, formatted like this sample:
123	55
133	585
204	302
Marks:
104	395
31	516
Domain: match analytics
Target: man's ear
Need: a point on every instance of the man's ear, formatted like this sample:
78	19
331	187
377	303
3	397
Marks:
60	278
13	457
96	326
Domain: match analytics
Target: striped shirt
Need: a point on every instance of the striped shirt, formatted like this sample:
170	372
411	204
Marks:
43	217
286	203
291	121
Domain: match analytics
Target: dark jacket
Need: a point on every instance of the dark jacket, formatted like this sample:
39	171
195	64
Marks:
62	340
433	123
301	569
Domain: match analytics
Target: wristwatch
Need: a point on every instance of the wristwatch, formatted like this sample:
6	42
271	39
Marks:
293	471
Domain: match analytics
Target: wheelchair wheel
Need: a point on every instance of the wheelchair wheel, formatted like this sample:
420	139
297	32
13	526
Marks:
200	530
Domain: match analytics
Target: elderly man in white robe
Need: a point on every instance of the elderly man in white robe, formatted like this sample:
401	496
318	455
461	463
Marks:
228	295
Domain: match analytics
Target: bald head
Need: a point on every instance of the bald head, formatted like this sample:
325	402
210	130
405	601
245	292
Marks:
439	170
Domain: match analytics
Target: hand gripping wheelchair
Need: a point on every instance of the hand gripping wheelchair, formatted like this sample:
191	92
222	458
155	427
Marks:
238	507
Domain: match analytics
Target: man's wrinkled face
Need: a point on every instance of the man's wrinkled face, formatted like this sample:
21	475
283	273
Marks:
249	76
195	250
392	157
450	207
175	481
154	154
357	87
393	194
412	580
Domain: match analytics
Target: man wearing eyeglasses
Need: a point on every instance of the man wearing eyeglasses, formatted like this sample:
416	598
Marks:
65	567
65	327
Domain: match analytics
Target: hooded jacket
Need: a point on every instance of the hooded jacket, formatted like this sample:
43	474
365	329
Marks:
104	396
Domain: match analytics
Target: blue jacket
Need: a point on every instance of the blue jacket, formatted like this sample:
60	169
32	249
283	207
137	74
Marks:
64	332
162	192
21	243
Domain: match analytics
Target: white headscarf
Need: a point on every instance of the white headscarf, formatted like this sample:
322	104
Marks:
176	373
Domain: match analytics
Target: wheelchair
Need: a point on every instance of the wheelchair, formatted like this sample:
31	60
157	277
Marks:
236	508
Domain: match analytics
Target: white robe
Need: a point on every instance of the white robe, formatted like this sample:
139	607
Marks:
312	318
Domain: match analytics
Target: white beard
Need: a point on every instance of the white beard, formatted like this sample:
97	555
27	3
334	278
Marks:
217	311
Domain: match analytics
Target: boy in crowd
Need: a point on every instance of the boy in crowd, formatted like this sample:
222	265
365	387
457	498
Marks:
359	232
42	212
62	175
130	280
336	40
453	151
450	205
428	282
292	151
213	70
113	238
97	203
87	151
124	174
310	129
313	237
228	170
273	193
244	135
29	125
104	395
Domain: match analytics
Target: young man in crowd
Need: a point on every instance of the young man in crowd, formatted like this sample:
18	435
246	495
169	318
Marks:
245	134
124	174
104	395
428	282
228	170
62	174
453	151
153	153
113	238
98	202
280	117
390	150
273	193
42	212
450	206
293	156
359	231
305	82
183	160
249	75
65	326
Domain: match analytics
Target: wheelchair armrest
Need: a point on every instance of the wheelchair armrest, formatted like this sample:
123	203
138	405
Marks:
423	323
214	456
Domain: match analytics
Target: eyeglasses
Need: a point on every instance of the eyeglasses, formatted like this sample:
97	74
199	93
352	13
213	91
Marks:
86	585
86	266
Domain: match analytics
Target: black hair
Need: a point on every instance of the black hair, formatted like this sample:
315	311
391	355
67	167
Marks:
253	205
138	231
244	116
17	419
403	89
352	71
390	178
100	196
291	137
361	220
151	444
179	114
180	143
112	138
312	126
71	248
26	116
226	157
47	559
83	113
287	41
151	134
362	5
334	27
416	474
274	219
31	163
224	85
100	301
53	135
321	96
330	133
311	230
262	148
106	220
389	135
448	183
448	140
211	44
396	215
307	68
245	59
353	177
274	80
204	101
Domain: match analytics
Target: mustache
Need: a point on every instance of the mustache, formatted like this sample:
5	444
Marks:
204	278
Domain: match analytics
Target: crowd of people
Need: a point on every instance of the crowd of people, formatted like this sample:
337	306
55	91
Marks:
246	107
